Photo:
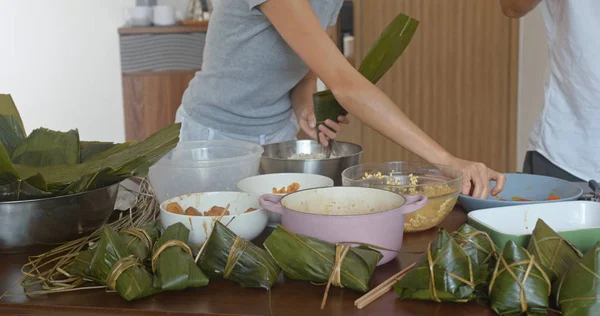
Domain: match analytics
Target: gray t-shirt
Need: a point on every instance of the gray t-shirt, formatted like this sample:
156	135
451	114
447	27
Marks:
248	69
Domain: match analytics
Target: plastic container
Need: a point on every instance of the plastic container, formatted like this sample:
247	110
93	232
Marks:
441	184
204	166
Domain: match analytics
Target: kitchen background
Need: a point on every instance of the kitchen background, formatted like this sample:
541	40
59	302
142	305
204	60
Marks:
60	60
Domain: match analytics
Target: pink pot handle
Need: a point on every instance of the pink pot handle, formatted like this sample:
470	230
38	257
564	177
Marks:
414	203
271	203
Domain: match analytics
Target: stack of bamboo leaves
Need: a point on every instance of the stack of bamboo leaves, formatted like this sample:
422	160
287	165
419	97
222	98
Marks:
49	163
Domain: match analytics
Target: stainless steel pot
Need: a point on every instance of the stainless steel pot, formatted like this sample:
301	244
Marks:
276	158
24	224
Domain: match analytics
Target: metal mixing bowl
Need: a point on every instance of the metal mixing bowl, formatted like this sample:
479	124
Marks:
276	158
24	224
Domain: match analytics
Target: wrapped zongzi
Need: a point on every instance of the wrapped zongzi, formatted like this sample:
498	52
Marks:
477	244
553	253
579	289
141	240
310	259
173	263
444	274
519	284
233	258
112	265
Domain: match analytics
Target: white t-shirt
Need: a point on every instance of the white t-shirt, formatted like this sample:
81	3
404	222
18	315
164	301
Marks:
568	131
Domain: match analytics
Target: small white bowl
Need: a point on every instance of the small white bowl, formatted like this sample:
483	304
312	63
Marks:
245	225
264	184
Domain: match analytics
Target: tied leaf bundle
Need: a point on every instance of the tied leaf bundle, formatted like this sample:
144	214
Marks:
579	289
112	265
383	54
233	258
519	284
140	241
310	259
444	274
554	253
172	261
50	163
477	244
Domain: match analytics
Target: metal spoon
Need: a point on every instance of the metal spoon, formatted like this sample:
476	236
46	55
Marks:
329	149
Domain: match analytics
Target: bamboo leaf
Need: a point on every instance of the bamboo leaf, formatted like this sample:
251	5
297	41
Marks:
44	147
446	274
152	149
12	131
89	149
310	259
517	270
381	57
13	187
579	289
253	268
175	268
389	46
133	283
554	253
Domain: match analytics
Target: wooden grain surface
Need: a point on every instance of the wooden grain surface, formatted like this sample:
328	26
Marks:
151	99
288	297
457	80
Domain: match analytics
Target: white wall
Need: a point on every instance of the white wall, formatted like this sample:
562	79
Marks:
60	61
533	59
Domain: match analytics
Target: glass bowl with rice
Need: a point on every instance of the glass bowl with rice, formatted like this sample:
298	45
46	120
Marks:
441	184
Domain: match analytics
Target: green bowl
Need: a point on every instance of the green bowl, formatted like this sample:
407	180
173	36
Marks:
576	221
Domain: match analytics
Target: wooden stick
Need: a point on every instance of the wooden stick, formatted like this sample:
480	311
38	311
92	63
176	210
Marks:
381	289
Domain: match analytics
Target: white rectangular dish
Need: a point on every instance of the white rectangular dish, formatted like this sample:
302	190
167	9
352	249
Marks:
576	221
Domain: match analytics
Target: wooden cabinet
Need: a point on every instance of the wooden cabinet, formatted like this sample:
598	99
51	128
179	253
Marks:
151	100
457	80
157	65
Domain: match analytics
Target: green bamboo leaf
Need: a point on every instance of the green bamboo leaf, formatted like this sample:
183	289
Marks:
310	259
554	253
133	283
152	149
108	152
89	149
516	269
13	187
449	276
381	57
12	131
175	268
253	268
579	289
44	147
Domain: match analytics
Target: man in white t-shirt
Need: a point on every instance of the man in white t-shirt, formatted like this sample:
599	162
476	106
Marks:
564	140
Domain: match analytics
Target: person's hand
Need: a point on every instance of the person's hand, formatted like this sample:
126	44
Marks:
476	178
308	124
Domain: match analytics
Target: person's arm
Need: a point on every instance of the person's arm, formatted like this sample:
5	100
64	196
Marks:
303	105
300	28
518	8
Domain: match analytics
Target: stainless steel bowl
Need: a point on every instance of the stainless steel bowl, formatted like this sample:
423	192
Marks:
24	224
276	158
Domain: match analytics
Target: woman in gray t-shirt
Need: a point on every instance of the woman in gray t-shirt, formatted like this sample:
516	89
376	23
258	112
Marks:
261	63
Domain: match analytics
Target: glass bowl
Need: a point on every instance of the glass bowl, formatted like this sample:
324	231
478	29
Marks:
441	184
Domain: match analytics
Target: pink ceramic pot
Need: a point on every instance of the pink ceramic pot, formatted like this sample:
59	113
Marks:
347	214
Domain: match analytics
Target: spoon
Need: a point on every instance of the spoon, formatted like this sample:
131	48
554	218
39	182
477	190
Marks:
329	149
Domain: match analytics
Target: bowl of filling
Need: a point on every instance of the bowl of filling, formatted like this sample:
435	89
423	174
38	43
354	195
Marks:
309	156
282	184
522	189
441	184
240	211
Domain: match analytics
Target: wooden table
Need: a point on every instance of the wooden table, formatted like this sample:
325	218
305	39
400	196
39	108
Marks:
225	298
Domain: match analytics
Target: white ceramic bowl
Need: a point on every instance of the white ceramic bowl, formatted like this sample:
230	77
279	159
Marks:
245	225
264	184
